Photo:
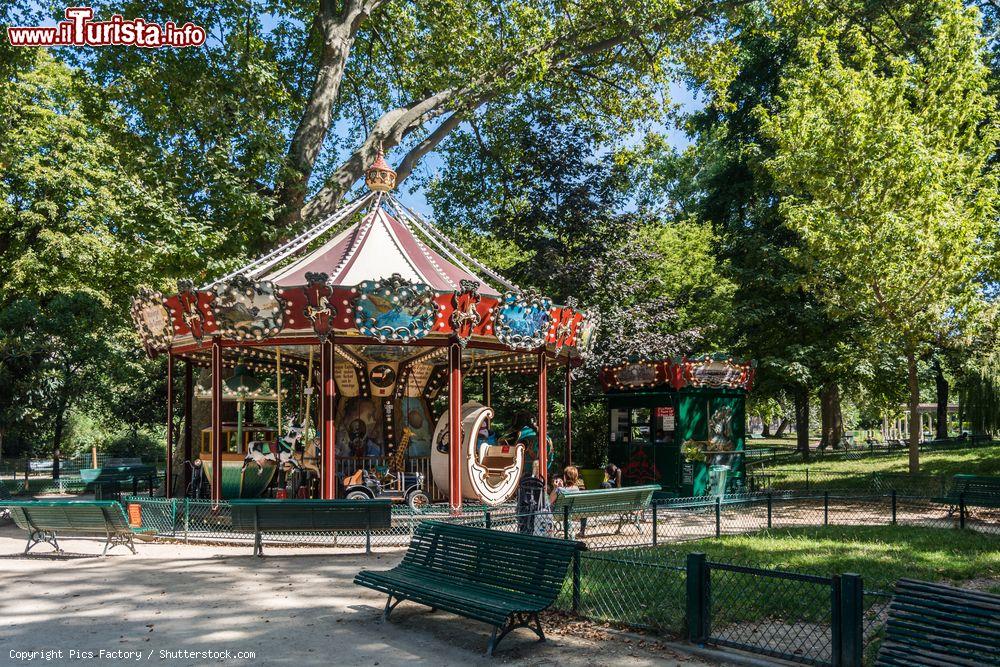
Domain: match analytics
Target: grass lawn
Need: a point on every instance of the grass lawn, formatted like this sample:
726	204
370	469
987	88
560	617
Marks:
974	460
641	587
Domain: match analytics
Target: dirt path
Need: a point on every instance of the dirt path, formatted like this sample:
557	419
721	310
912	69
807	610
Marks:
297	606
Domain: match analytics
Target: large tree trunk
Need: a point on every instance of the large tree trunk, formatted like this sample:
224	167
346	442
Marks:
765	428
802	421
941	386
914	387
782	425
833	418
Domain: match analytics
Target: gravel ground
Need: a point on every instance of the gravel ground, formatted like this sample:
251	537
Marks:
297	606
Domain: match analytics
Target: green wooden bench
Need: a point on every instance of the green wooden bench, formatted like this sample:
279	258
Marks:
43	518
627	503
933	624
975	490
310	516
500	578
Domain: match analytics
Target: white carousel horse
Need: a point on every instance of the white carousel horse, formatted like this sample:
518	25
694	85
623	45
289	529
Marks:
259	451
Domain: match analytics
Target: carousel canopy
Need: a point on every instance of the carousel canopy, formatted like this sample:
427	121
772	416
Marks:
373	272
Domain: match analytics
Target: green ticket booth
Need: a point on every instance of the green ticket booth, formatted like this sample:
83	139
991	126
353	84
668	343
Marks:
679	423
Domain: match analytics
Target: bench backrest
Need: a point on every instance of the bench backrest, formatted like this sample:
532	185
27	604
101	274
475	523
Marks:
629	497
932	622
975	486
117	473
86	516
310	515
523	563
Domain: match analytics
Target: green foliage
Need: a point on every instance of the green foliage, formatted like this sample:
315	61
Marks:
882	162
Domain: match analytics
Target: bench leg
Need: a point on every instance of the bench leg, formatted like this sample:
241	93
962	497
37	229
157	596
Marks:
258	545
516	620
389	606
40	536
115	540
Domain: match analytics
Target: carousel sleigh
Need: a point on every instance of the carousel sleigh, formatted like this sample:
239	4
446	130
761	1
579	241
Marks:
490	473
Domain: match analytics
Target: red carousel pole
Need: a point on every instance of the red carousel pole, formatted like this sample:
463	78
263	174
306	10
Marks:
455	427
188	427
216	420
568	422
543	416
328	398
168	484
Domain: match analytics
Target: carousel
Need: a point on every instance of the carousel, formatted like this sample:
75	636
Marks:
327	360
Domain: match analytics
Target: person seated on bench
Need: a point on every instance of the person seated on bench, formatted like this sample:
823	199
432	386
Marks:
612	477
570	482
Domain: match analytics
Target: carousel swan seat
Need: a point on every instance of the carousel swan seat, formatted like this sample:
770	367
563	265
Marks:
490	473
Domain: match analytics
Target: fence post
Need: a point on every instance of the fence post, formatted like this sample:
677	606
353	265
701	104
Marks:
961	510
718	516
488	518
894	507
655	506
187	517
807	480
852	606
566	522
770	504
173	517
698	587
826	508
576	581
836	621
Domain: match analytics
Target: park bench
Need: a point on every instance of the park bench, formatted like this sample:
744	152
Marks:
43	518
309	516
627	503
500	578
933	624
107	480
975	490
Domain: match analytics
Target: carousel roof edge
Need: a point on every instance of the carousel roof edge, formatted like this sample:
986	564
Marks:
391	310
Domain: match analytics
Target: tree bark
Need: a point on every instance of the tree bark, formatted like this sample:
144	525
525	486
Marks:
833	420
914	387
339	30
765	428
782	425
941	387
802	421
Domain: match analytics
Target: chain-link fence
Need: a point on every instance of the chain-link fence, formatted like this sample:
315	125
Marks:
204	520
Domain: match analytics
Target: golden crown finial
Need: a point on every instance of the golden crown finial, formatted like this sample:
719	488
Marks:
380	176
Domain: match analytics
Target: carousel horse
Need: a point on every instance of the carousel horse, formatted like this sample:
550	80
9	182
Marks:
259	451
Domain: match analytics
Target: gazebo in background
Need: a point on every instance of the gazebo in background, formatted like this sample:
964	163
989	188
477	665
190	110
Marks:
373	303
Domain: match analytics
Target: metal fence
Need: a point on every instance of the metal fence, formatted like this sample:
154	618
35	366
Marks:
633	574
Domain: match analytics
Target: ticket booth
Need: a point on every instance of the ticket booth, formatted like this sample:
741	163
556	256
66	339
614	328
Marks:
679	423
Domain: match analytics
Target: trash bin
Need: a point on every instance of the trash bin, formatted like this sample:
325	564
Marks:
717	476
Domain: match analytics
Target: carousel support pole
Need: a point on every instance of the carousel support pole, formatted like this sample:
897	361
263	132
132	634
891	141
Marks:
277	361
543	416
568	422
168	484
455	427
328	397
188	427
488	386
216	420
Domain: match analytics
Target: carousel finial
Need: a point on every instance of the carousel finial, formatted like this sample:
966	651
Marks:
380	176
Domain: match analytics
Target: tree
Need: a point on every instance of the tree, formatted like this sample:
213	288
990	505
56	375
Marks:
882	164
76	217
253	110
536	184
